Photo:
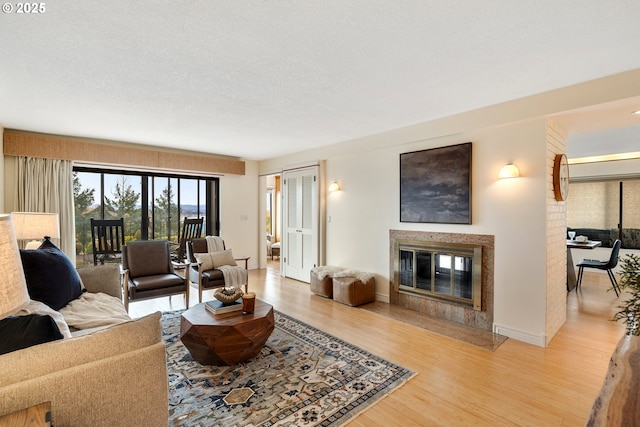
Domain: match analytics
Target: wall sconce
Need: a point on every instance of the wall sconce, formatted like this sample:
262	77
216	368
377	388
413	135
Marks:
35	226
509	171
334	186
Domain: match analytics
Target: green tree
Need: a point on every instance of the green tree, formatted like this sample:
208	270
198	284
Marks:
123	204
83	202
123	200
166	214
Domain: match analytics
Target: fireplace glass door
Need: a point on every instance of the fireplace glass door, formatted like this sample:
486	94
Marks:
443	273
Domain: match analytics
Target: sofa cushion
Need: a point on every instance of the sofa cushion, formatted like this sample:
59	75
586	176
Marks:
221	258
51	277
18	332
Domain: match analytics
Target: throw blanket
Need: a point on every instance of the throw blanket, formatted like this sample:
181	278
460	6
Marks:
94	310
214	244
234	275
333	271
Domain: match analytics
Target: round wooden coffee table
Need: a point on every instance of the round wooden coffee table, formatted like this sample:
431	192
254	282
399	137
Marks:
225	339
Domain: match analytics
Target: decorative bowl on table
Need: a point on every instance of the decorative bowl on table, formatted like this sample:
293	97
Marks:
227	295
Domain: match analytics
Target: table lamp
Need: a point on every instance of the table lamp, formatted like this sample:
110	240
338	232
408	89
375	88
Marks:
13	288
35	226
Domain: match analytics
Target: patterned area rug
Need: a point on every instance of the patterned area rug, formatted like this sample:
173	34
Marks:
302	377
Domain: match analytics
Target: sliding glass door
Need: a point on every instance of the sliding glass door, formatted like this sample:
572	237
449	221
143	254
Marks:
153	206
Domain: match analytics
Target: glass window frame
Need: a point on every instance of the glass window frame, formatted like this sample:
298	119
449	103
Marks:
210	193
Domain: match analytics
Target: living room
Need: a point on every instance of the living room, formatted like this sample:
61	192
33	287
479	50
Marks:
522	214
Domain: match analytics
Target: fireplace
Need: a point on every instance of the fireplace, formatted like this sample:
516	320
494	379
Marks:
442	271
445	275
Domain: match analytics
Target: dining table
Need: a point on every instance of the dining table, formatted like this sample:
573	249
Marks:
571	271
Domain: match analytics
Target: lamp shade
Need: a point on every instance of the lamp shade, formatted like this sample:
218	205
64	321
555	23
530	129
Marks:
334	186
35	225
509	171
13	288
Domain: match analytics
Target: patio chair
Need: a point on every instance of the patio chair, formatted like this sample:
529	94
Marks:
107	236
191	228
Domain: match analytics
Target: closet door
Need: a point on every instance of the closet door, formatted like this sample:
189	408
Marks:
300	243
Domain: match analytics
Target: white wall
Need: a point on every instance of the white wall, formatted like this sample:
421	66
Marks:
512	210
239	213
360	216
363	214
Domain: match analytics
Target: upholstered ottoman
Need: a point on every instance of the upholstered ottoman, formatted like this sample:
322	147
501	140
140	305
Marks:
354	291
321	286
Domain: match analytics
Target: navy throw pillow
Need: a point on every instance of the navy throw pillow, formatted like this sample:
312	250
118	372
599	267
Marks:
50	275
18	332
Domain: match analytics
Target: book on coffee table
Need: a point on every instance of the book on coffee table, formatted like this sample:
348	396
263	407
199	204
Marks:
217	307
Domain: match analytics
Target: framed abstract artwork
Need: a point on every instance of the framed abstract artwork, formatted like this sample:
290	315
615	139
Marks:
435	185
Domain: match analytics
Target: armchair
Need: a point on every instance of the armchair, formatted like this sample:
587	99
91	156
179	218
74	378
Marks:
148	272
212	276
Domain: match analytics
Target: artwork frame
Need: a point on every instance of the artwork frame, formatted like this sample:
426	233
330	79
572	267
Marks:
435	185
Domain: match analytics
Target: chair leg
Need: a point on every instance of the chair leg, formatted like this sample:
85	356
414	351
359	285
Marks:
614	282
186	292
580	270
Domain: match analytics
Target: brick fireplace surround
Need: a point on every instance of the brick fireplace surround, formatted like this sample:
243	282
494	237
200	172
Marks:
441	309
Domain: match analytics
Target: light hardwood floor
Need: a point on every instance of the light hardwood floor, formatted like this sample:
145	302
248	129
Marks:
458	384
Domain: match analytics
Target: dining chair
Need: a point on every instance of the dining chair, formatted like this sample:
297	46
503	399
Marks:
607	265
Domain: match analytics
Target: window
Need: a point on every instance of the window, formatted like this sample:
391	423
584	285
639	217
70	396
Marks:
606	210
153	206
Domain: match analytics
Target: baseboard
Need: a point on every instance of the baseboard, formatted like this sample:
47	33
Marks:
382	298
539	340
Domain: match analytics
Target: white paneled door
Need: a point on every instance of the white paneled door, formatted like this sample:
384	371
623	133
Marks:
300	219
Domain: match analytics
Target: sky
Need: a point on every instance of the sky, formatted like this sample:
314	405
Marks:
188	193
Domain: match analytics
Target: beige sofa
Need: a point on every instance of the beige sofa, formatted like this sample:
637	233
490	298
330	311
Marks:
113	376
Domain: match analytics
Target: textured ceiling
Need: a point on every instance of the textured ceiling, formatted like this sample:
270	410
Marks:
262	78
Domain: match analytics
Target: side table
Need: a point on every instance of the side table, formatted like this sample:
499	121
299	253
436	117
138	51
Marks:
226	339
33	416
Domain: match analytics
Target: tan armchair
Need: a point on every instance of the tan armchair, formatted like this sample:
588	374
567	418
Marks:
148	272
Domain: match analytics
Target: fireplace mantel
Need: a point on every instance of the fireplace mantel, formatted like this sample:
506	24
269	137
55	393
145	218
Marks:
480	319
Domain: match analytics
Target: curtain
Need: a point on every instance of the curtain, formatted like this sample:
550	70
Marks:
46	185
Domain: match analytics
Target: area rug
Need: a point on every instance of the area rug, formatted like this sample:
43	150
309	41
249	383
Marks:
302	377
